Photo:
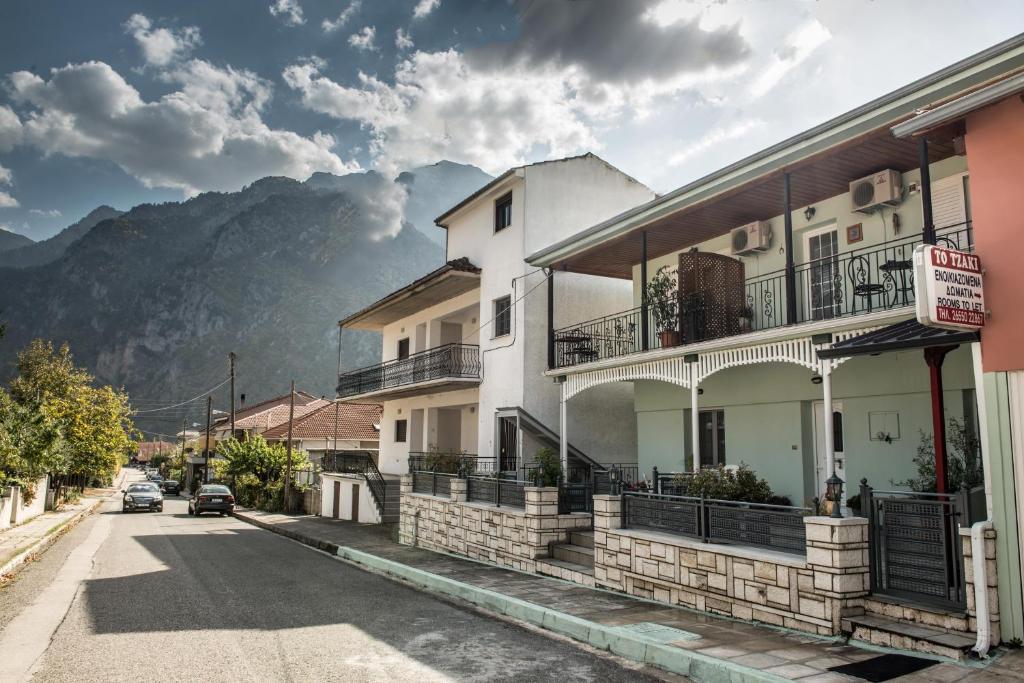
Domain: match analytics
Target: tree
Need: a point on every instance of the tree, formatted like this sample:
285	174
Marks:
30	442
257	457
44	374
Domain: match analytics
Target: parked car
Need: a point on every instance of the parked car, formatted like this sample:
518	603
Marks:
170	487
211	498
142	496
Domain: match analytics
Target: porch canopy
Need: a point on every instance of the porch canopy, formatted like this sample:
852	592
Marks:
908	334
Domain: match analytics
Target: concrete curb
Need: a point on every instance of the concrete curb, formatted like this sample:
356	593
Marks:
12	565
699	667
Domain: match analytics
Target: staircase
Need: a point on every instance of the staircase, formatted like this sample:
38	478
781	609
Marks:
884	623
392	499
572	561
547	436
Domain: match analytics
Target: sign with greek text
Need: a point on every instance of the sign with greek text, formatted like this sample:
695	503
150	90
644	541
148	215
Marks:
948	288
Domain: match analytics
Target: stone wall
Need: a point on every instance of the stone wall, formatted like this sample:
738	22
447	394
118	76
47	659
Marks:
506	536
810	593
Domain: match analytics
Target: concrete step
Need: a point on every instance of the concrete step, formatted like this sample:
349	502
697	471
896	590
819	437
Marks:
905	635
577	554
584	539
568	571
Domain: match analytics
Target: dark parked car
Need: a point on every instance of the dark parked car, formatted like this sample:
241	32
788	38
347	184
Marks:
170	487
211	498
142	496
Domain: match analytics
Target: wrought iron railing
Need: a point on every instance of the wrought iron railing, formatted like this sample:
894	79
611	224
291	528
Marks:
432	483
357	462
457	361
445	462
874	278
497	491
776	527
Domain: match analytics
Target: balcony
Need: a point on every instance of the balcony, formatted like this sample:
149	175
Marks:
871	279
445	368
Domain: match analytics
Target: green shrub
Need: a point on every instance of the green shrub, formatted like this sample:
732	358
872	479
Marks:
963	461
741	484
547	467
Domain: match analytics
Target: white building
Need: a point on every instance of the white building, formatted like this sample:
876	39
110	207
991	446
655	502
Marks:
464	348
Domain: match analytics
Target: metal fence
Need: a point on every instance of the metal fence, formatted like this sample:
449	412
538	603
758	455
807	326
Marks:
497	491
432	483
451	360
776	527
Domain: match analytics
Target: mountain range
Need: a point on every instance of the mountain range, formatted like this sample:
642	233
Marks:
154	298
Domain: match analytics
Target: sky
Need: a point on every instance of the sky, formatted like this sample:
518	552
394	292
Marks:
122	103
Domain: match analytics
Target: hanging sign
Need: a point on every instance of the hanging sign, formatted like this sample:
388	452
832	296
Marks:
948	288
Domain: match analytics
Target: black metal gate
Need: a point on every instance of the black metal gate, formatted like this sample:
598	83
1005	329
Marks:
914	545
508	444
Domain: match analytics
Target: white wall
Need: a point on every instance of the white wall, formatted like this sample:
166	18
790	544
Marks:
463	309
394	457
368	512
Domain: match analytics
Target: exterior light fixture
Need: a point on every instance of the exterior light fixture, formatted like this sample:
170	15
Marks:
834	493
816	379
700	391
809	212
613	481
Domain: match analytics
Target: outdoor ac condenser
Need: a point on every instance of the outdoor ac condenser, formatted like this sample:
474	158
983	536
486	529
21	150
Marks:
751	238
884	187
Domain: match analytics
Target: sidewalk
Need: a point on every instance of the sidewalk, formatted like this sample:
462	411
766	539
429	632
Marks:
699	645
19	543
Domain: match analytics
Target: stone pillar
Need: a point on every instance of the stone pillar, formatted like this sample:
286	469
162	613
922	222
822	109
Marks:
407	523
991	585
607	512
607	517
541	501
458	490
838	565
405	484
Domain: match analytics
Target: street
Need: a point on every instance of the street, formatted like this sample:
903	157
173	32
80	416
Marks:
166	595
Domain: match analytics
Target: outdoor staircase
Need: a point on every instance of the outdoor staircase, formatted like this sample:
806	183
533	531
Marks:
916	636
392	499
572	561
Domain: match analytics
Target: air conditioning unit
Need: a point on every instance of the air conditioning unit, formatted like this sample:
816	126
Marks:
884	187
751	238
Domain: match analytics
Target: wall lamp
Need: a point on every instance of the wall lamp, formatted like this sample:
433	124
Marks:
809	212
816	379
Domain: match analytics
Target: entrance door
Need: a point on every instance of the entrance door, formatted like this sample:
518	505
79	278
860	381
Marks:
508	453
336	512
711	424
355	502
823	278
819	444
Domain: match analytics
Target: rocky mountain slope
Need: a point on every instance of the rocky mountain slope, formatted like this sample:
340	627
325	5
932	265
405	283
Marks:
12	241
155	298
49	250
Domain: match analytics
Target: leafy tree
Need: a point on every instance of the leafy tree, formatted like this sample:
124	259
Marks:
44	373
256	457
30	442
963	460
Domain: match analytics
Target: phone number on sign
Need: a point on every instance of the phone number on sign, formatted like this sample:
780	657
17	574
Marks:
959	315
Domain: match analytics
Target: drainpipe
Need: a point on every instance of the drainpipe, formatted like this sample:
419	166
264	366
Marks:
826	417
694	423
978	564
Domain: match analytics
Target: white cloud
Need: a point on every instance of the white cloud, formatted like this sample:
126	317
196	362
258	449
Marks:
10	129
289	10
714	137
330	26
403	41
6	228
161	46
798	46
46	213
208	134
7	201
425	7
364	38
6	177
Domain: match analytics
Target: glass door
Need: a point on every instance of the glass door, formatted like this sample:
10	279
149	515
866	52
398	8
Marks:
824	279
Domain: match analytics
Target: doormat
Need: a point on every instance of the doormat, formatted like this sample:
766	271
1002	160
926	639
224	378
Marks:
884	667
659	633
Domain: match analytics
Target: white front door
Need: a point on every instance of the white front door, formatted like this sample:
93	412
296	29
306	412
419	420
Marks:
820	466
823	277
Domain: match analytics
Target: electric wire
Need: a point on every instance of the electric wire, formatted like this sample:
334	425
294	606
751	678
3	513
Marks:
176	405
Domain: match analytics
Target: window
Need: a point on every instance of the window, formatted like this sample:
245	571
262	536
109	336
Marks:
712	437
503	213
401	430
823	250
502	316
403	348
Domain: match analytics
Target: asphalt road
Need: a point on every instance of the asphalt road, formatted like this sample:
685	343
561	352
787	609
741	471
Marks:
156	596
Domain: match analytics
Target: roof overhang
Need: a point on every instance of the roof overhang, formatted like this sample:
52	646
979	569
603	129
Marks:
709	206
951	112
436	386
447	282
902	336
496	185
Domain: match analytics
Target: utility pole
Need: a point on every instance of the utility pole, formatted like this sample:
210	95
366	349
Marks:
184	479
336	405
231	358
206	442
288	469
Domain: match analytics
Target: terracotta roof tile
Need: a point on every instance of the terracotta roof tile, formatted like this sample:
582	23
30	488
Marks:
355	421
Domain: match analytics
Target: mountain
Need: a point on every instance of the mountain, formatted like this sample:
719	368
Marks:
49	250
154	299
12	241
430	191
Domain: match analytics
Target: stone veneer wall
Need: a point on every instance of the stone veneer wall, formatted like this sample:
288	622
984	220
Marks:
809	593
509	537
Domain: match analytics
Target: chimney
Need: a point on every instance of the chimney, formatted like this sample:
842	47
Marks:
242	397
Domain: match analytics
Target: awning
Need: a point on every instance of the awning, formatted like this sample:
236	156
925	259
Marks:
908	334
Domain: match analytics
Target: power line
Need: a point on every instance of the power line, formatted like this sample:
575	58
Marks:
176	405
512	304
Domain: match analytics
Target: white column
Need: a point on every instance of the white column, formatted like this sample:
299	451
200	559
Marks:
694	425
826	410
563	437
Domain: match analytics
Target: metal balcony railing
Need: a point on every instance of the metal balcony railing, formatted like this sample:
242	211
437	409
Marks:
875	278
451	361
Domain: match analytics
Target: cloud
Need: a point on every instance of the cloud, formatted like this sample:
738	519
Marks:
424	7
6	228
403	41
7	201
10	129
46	213
615	41
363	39
207	134
713	137
798	46
289	10
330	26
161	46
440	108
6	177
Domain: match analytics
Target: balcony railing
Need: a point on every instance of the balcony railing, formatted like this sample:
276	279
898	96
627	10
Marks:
875	278
451	361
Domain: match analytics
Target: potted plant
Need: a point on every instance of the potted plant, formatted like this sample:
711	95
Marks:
746	319
663	303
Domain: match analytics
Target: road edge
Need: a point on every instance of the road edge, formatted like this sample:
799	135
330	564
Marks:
11	568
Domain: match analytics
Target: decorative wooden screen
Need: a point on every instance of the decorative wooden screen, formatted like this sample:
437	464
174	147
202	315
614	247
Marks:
711	296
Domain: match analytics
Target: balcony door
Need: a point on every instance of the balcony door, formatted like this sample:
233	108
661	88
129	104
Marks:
824	281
